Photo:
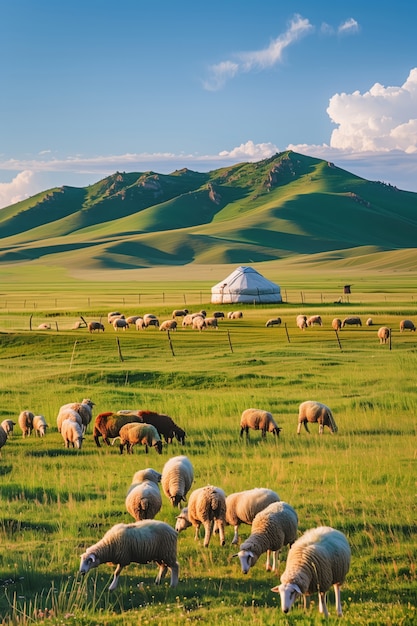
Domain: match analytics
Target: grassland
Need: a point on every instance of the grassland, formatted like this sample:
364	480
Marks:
55	502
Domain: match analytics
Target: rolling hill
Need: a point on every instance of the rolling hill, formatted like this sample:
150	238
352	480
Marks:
288	205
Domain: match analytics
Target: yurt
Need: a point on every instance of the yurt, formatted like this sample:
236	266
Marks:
245	284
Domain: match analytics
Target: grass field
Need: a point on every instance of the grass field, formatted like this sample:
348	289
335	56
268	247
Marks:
56	502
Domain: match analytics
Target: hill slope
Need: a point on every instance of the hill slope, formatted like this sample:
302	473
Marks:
287	205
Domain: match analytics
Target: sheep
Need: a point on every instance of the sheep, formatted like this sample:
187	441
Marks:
272	528
319	559
164	424
301	321
25	422
179	313
132	319
140	324
177	478
143	500
369	321
315	412
352	321
149	319
3	437
139	542
234	315
275	321
44	326
314	320
72	433
337	323
218	314
258	419
120	322
39	425
111	316
83	409
242	506
135	433
199	322
98	326
384	334
207	507
407	325
108	425
187	320
211	322
8	426
168	325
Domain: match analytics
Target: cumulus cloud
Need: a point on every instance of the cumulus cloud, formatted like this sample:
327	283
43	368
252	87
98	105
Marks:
18	189
250	151
257	59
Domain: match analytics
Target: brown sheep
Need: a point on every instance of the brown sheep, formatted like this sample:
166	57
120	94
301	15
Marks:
315	412
352	321
108	425
383	334
337	323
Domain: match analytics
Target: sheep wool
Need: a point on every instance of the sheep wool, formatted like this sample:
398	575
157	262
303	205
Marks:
272	528
258	419
39	425
315	412
177	478
108	425
144	434
207	507
72	434
8	426
317	560
25	422
143	500
242	506
139	542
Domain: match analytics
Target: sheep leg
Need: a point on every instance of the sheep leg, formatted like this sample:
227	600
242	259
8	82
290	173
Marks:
306	426
163	568
174	574
219	527
208	530
116	575
336	588
235	539
321	428
197	530
322	604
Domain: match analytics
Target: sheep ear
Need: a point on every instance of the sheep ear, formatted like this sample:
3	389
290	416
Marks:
297	589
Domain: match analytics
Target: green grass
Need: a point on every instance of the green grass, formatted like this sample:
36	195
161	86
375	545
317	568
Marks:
55	502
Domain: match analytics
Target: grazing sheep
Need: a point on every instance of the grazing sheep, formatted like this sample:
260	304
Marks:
211	322
317	560
140	324
369	321
352	321
258	419
3	438
149	319
95	326
139	542
275	321
242	506
384	334
83	409
407	325
143	500
132	319
179	313
315	412
301	321
164	424
234	315
111	316
272	528
177	478
108	425
144	434
337	323
8	426
168	325
187	320
199	322
39	425
120	322
44	326
218	314
206	506
72	433
25	422
314	320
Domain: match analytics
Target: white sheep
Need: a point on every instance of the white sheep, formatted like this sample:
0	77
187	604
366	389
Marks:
81	412
234	315
120	322
317	560
132	319
72	434
95	326
272	528
139	542
177	478
199	322
369	321
113	315
44	326
314	320
211	322
149	319
168	325
8	426
140	324
242	506
301	321
187	320
275	321
143	500
179	313
39	425
207	507
407	325
352	321
134	433
25	422
315	412
337	323
258	419
384	334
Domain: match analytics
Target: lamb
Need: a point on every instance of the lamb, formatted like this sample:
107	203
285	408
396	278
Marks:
143	500
301	321
98	326
383	334
84	409
39	425
108	425
8	426
242	507
314	320
133	434
337	323
164	424
177	478
317	560
275	321
139	542
168	325
407	325
234	315
120	322
25	422
72	433
258	419
207	507
211	322
315	412
272	528
352	321
179	313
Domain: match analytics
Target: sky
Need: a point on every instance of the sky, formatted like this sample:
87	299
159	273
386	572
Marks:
91	87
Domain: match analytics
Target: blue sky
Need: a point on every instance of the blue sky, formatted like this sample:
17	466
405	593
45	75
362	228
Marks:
90	87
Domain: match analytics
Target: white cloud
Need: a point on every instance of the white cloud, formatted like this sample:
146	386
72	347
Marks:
18	189
348	27
250	151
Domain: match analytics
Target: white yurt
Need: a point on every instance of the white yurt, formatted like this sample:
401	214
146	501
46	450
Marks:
245	285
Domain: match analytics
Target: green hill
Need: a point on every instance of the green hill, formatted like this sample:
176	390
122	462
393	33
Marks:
280	207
